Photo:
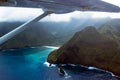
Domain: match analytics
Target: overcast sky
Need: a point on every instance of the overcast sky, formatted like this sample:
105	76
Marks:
115	2
24	14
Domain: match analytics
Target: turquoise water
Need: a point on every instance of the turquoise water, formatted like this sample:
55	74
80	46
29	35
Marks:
25	64
30	64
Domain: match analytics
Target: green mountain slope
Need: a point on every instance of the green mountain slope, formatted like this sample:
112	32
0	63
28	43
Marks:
92	47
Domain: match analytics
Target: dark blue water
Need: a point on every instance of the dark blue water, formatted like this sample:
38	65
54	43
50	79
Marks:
30	64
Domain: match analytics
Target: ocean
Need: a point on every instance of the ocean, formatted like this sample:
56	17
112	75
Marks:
30	64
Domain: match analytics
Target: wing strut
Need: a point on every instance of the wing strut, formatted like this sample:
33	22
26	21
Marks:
19	29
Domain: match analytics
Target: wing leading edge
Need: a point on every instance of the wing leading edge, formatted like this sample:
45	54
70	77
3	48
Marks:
63	6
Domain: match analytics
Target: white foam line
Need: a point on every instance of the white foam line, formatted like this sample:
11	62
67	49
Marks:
93	68
47	64
52	47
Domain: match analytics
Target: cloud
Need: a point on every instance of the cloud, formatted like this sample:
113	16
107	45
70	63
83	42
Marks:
21	14
24	14
103	15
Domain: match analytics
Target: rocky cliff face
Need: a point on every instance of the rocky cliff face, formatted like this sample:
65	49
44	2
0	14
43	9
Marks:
89	47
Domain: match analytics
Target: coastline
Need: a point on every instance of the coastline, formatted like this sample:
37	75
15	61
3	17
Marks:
72	68
55	47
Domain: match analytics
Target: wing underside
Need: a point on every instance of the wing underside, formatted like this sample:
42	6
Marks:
66	5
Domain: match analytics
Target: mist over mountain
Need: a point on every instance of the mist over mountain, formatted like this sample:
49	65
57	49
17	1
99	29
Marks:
46	33
32	36
111	30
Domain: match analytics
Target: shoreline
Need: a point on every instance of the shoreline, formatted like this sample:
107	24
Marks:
73	65
87	67
55	47
11	49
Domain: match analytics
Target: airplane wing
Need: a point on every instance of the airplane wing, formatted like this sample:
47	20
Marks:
62	6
